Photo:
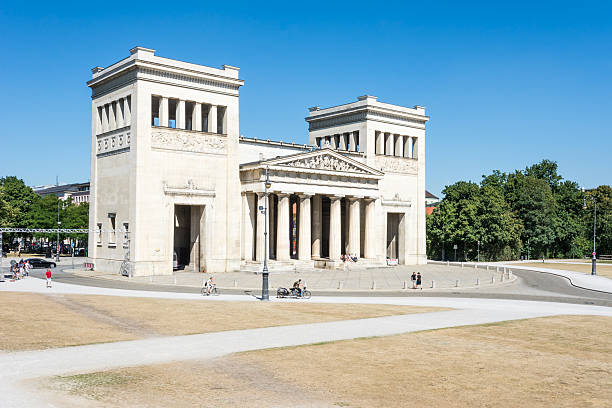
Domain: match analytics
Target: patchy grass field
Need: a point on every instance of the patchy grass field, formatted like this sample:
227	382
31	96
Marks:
602	269
35	321
563	361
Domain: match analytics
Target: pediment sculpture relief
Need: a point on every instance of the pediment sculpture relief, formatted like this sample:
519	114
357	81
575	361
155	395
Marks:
324	162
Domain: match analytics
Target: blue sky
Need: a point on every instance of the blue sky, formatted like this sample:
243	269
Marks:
505	85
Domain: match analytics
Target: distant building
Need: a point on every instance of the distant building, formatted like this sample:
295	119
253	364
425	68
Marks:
79	192
431	202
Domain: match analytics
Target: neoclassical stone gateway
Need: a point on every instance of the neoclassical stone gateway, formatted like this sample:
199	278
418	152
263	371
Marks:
172	179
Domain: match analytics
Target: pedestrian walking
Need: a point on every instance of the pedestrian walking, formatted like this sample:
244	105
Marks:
48	274
419	281
413	279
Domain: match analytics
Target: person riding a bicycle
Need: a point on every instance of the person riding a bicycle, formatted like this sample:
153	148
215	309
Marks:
209	285
298	287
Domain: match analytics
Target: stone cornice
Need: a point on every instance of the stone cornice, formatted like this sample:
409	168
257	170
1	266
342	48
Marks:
360	114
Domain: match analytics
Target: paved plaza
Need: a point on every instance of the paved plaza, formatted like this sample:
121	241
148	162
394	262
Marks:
351	278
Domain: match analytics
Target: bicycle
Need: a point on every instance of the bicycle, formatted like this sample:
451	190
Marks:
213	291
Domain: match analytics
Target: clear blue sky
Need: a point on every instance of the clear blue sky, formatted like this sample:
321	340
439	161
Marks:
505	85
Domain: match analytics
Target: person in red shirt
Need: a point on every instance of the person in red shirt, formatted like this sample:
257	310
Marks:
48	274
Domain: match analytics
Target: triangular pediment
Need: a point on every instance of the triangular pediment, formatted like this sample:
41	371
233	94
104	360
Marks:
325	160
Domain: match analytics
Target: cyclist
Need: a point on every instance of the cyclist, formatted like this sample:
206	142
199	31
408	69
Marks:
210	284
297	286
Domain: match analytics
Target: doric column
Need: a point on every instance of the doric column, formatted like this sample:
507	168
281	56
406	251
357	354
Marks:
104	118
112	123
388	144
272	226
119	113
406	141
261	225
196	117
163	111
354	236
304	247
212	119
316	226
352	142
249	214
409	145
380	143
127	111
415	147
399	146
343	141
282	231
369	242
335	228
180	115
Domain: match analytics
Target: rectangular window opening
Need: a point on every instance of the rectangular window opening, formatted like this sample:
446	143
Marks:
172	107
155	101
221	111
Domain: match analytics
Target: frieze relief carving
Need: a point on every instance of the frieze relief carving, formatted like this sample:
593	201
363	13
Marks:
115	143
396	164
186	141
324	162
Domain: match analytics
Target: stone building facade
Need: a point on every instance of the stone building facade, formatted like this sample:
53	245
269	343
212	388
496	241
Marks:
172	180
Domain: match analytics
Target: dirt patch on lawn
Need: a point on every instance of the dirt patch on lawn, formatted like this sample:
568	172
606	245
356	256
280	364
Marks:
563	361
35	321
603	270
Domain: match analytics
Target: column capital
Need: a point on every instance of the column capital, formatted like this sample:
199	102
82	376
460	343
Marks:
282	193
305	195
353	198
336	196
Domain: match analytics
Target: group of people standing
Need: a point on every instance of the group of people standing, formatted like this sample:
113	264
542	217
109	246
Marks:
20	269
417	280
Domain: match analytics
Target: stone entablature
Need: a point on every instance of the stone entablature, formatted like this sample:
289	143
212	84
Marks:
187	141
367	108
114	142
143	64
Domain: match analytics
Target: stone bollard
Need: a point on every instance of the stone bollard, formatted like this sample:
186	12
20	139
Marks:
457	283
475	266
447	263
487	267
433	284
477	281
497	269
339	285
175	279
505	269
492	279
150	278
235	283
373	285
461	265
501	279
405	285
509	274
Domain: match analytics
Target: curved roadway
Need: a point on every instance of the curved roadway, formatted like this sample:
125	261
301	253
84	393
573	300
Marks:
530	285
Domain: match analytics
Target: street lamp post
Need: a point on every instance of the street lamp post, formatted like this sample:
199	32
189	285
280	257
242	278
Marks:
57	250
265	295
443	236
478	250
594	258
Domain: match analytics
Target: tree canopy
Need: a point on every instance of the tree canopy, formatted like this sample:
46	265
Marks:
531	212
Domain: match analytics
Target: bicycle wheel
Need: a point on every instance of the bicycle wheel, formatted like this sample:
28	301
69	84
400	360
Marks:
306	294
204	292
214	291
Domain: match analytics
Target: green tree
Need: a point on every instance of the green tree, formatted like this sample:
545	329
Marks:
500	229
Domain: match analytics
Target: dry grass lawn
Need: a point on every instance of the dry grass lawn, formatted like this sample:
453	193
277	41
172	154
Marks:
35	321
602	269
563	361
